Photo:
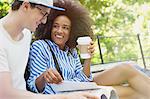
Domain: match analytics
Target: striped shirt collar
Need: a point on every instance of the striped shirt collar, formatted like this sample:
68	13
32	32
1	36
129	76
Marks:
54	45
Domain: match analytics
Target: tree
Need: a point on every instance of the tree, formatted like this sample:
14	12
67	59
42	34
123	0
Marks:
120	18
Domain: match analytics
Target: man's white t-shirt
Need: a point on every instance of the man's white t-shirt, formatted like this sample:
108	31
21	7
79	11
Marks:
14	56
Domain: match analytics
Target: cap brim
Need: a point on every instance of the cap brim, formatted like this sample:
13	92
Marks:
56	8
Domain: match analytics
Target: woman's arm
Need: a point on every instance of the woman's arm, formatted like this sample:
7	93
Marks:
87	62
82	73
86	67
41	70
37	65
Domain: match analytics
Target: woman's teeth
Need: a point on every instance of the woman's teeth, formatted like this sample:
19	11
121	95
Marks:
59	36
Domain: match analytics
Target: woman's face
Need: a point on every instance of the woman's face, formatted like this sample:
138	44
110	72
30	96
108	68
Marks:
61	30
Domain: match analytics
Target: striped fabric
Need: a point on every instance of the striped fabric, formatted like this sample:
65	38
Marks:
41	59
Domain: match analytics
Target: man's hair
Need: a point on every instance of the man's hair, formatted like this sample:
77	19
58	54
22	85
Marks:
16	5
80	22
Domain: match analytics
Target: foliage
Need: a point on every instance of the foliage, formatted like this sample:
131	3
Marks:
120	18
4	6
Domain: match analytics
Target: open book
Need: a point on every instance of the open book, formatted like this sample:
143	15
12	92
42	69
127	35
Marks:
67	86
103	92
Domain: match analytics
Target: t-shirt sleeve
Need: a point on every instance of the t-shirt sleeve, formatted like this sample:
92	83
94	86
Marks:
3	60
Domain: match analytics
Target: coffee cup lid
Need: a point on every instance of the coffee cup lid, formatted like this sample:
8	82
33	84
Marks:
84	40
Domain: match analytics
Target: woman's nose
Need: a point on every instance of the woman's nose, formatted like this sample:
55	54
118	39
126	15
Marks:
59	29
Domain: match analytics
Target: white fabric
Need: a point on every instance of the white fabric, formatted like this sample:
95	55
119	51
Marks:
14	56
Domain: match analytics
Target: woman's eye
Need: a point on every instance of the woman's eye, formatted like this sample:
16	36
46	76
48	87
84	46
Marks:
66	28
55	26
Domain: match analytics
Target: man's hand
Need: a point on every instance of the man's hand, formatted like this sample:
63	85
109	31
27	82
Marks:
81	95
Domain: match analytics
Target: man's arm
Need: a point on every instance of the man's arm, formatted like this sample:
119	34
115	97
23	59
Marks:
8	92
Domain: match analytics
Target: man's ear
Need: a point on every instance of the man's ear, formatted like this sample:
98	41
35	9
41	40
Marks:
25	6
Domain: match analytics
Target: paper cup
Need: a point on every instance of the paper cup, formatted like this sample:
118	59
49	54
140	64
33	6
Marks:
83	43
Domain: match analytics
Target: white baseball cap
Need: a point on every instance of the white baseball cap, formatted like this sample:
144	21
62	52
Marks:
47	3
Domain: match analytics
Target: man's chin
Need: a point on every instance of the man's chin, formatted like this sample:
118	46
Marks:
33	30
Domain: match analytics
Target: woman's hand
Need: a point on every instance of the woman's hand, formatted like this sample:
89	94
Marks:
91	48
52	76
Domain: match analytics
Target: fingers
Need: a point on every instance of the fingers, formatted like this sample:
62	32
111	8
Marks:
91	48
78	46
47	78
56	77
52	76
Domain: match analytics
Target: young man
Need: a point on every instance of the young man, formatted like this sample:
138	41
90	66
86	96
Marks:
15	37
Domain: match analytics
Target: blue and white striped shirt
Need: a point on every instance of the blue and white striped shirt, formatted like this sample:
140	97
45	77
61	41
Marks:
41	58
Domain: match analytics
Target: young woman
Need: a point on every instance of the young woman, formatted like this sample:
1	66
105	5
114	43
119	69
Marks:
60	34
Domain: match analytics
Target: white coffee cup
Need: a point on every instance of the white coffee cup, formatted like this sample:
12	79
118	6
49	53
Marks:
83	43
